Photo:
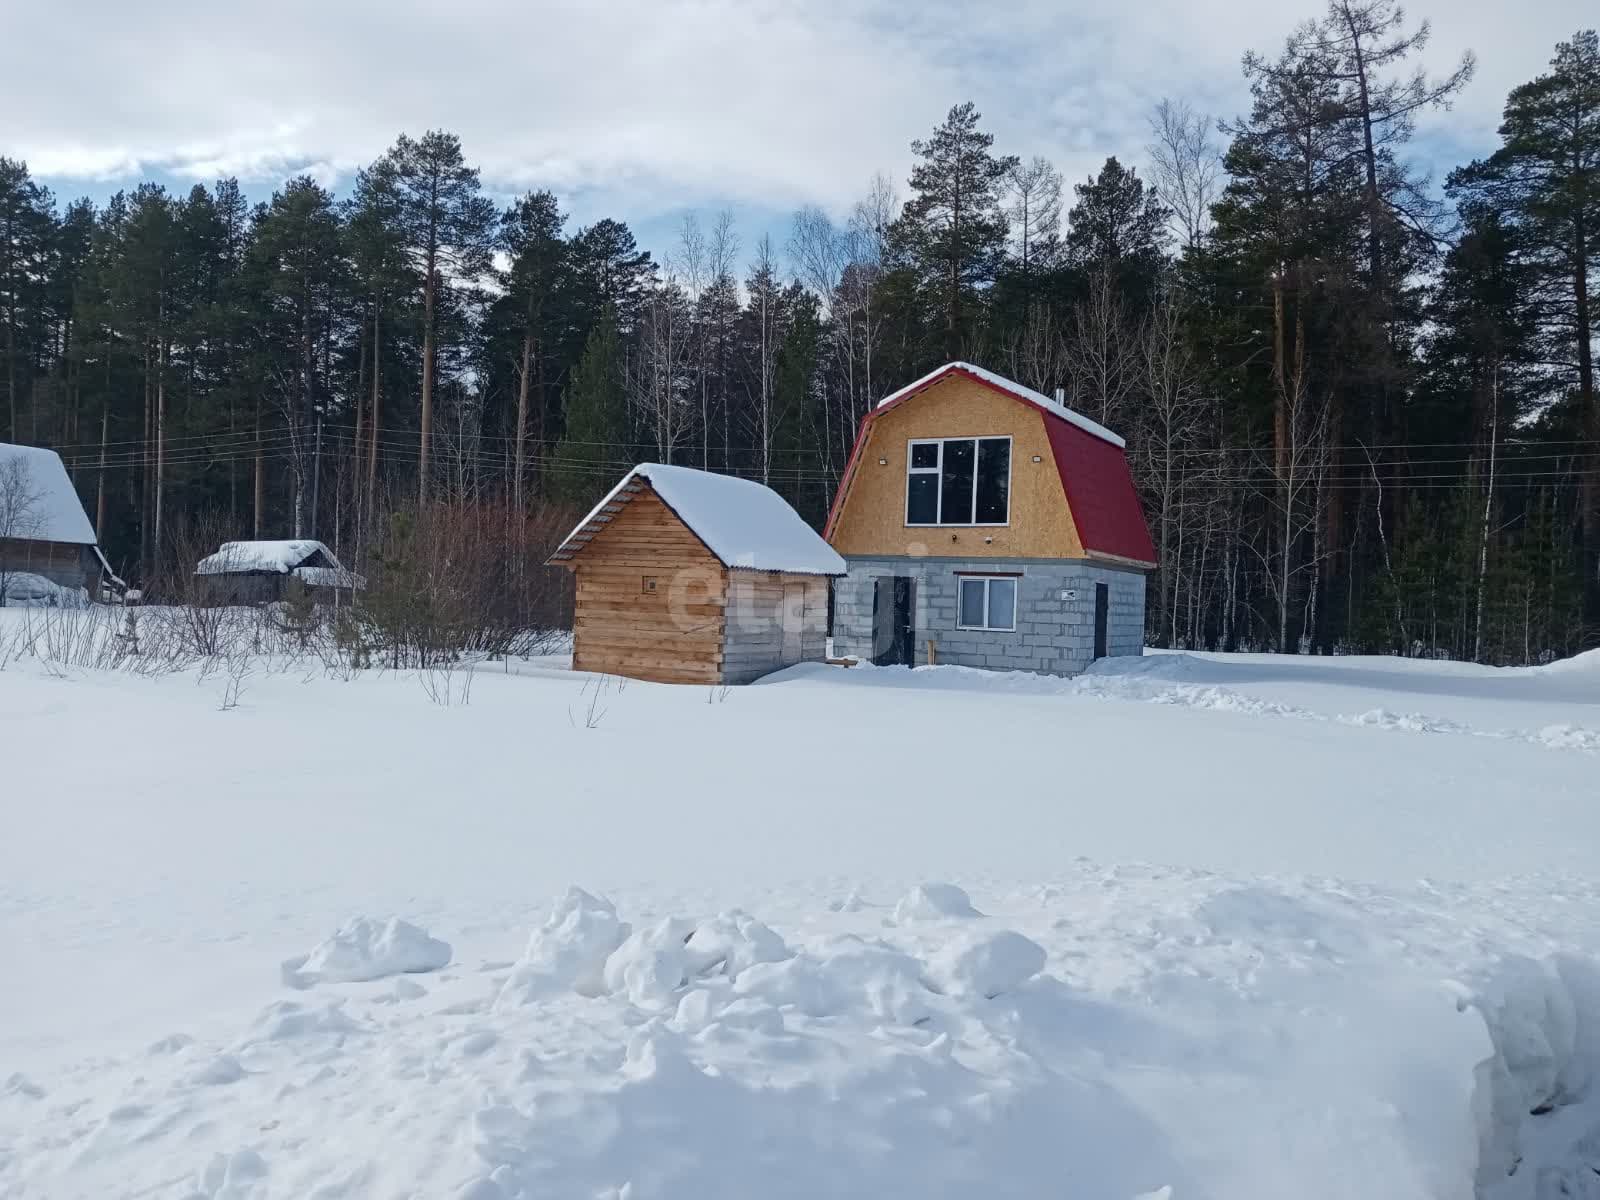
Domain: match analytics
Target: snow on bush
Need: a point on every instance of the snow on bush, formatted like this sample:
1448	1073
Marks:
933	902
364	949
986	964
568	952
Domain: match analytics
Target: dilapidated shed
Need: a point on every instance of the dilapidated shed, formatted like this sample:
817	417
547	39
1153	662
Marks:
686	576
259	572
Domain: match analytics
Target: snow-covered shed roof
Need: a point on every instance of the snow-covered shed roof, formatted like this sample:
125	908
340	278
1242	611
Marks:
52	512
271	558
745	524
1000	382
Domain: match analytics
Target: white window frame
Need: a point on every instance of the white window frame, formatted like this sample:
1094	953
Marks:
986	580
937	471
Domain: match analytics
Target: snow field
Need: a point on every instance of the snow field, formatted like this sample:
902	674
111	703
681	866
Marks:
1184	927
890	1052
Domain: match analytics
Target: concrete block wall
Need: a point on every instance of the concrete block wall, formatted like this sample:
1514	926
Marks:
1053	635
753	638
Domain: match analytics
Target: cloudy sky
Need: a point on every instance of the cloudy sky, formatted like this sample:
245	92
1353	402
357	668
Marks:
643	109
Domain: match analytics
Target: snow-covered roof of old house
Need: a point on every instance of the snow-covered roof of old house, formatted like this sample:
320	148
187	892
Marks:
330	577
745	524
273	558
1051	406
52	511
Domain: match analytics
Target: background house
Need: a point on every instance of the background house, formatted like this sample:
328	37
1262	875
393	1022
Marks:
988	525
259	572
684	576
46	540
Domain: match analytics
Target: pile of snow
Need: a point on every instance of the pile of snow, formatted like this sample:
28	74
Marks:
933	902
24	589
1538	1095
986	964
709	1056
363	949
569	951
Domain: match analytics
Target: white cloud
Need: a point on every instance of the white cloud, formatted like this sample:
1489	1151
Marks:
656	104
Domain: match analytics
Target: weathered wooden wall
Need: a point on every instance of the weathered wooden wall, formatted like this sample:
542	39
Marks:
872	521
63	563
673	634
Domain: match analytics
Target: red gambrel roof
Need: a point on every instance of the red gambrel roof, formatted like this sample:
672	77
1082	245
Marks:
1088	456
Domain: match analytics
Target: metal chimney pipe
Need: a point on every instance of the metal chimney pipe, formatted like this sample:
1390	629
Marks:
1061	397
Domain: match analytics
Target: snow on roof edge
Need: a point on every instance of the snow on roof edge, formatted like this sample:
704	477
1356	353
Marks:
1016	389
278	556
56	514
726	532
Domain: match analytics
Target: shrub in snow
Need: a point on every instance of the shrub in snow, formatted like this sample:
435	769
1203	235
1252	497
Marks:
651	965
731	942
364	949
986	964
567	952
933	902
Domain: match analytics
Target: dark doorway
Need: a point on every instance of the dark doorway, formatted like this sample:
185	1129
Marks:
892	607
1102	602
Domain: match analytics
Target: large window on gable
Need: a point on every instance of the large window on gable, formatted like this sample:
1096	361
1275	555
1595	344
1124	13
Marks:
959	481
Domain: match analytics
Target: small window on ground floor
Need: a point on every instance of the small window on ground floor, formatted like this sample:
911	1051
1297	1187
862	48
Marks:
987	602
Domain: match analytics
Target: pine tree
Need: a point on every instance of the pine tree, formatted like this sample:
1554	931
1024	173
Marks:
27	220
1117	225
448	227
1545	181
530	235
384	275
952	232
299	266
596	430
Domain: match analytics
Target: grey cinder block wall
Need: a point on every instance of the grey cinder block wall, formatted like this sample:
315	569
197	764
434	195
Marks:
1053	635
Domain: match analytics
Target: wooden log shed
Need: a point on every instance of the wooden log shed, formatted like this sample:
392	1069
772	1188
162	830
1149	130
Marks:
686	576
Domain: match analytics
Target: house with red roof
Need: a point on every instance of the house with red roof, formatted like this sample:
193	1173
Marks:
985	524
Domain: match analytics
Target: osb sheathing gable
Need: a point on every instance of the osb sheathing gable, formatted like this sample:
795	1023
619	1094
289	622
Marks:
872	519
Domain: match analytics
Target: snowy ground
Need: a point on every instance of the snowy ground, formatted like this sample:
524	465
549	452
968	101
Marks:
1241	928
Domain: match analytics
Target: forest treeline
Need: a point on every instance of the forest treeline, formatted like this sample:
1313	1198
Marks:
1360	402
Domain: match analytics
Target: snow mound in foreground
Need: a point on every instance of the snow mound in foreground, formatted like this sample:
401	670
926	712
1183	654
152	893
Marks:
1585	663
1283	1054
987	964
568	952
1537	1095
934	902
364	949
